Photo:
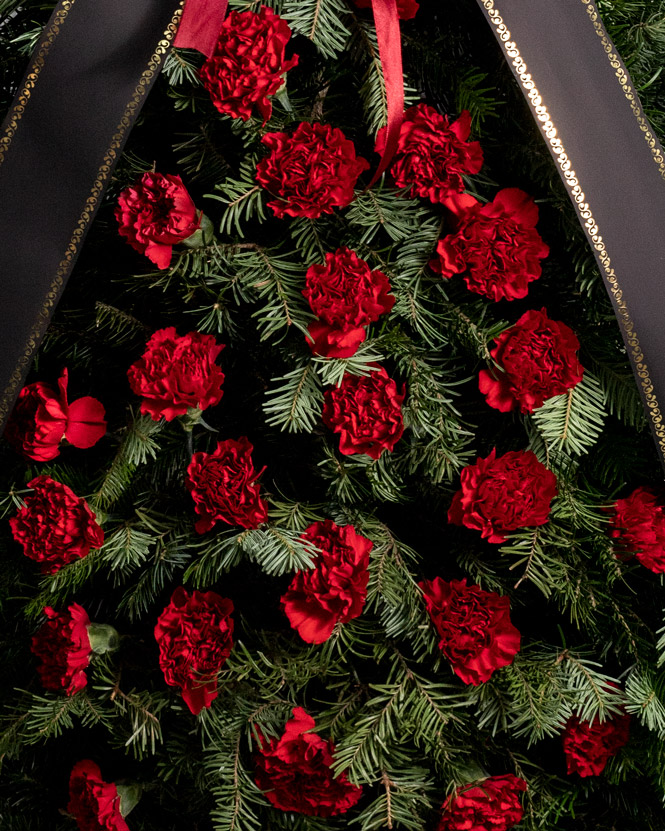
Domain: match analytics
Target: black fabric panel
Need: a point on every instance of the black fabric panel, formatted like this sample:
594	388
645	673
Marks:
613	166
84	87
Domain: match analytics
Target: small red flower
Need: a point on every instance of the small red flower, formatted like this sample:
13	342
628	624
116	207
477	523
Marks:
94	804
177	372
406	9
495	246
155	214
224	486
248	64
638	525
590	745
366	411
502	494
432	154
43	418
195	637
477	636
334	591
490	805
537	359
295	772
55	526
346	296
63	647
311	171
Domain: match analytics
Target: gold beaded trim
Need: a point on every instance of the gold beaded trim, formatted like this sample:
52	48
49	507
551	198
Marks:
586	215
84	220
31	78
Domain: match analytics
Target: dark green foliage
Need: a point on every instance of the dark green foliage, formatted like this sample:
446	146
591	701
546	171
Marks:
403	724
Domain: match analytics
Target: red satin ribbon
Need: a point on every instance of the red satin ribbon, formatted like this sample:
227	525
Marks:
386	21
200	25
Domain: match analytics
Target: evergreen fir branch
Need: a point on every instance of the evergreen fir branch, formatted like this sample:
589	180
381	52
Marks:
540	704
403	801
572	422
277	280
346	476
182	67
57	589
533	555
212	558
233	788
307	236
48	716
477	94
279	550
385	479
125	550
389	210
123	327
137	446
296	404
331	371
646	699
621	394
200	156
322	21
594	694
242	199
295	516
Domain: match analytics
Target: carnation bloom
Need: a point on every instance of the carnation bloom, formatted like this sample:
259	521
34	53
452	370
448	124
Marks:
366	411
63	648
490	805
309	172
224	486
94	804
638	525
156	213
294	772
248	64
195	637
502	494
55	526
43	418
346	296
588	746
432	154
495	245
334	591
477	636
177	372
537	359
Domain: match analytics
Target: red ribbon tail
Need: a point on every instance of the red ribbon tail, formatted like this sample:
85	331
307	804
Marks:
386	21
200	25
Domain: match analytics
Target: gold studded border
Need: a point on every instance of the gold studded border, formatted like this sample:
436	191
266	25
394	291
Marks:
48	39
89	208
624	80
584	210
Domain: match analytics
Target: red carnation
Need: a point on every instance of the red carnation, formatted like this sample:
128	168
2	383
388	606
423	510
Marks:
224	485
639	526
42	418
334	591
476	634
195	637
433	154
55	526
503	494
537	359
346	296
155	214
406	9
589	745
248	64
94	804
366	411
63	647
295	772
311	171
177	372
490	805
495	245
